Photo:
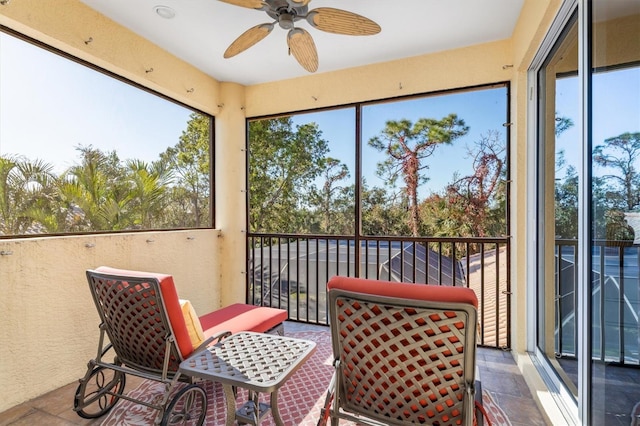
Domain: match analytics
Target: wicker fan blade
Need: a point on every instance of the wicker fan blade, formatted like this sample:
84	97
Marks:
248	39
303	48
250	4
339	21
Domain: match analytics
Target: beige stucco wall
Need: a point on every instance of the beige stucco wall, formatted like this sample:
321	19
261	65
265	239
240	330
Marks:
48	320
48	312
445	70
231	190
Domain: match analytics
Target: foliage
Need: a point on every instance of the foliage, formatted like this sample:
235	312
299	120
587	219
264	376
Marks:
620	153
333	204
190	163
296	188
566	205
103	193
481	196
383	213
619	190
612	193
283	163
562	124
407	145
472	205
24	186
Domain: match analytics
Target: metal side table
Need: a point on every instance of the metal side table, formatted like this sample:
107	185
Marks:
258	362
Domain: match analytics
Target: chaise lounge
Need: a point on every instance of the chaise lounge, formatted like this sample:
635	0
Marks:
151	331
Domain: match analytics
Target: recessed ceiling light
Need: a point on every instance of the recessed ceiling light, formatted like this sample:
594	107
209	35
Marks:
165	12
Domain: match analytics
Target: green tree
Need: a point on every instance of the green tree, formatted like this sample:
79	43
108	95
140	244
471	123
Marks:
149	193
283	163
566	205
443	217
620	153
407	146
562	124
100	189
330	199
23	187
189	165
481	195
566	188
383	212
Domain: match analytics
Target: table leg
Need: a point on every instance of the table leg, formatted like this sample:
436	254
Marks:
274	408
230	397
252	411
254	397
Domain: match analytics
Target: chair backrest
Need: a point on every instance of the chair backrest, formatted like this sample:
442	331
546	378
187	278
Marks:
405	352
140	312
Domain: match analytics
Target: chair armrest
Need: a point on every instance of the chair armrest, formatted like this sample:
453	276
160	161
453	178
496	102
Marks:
213	339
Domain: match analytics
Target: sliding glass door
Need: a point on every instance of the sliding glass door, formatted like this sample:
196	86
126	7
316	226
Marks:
613	126
558	165
587	237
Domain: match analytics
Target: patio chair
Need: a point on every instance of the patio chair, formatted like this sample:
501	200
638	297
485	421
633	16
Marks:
141	316
403	353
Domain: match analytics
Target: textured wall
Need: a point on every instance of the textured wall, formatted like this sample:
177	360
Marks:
48	319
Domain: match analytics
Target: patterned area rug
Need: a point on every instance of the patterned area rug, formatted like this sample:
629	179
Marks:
300	399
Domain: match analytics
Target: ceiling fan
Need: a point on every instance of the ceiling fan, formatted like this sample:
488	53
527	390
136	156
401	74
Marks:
285	13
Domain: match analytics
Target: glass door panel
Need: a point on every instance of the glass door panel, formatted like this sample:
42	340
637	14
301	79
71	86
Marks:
558	166
615	211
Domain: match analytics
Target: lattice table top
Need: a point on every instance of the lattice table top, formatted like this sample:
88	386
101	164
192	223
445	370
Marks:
257	361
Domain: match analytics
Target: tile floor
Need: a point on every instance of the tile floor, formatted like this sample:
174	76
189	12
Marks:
498	371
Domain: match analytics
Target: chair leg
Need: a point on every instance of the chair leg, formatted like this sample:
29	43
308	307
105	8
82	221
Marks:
325	411
480	413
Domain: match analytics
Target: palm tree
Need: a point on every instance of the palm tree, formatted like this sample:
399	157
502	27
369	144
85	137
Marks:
149	193
101	190
23	187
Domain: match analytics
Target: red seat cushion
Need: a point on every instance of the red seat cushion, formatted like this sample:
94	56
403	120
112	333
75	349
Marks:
405	290
171	304
242	317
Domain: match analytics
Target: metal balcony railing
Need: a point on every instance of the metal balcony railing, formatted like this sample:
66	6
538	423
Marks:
291	272
615	300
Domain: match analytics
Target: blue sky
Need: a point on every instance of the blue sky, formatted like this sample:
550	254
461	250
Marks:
616	110
82	107
482	110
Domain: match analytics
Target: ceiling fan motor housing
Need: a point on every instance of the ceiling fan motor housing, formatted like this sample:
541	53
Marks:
285	20
286	14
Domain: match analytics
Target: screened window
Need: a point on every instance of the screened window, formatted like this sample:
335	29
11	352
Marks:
397	190
436	165
84	151
429	166
302	173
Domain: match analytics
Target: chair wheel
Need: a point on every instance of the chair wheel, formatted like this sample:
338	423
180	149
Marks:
188	407
98	392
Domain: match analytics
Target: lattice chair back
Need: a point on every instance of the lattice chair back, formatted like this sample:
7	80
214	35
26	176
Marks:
133	313
404	353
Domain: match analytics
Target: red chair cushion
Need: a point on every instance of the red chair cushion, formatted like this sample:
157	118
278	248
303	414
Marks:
405	290
242	317
171	304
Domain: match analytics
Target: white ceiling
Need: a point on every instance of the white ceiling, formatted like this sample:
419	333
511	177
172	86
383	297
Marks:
202	30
